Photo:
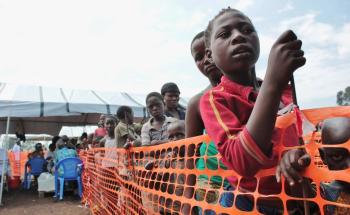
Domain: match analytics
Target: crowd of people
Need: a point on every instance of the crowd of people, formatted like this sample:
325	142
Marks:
237	110
166	123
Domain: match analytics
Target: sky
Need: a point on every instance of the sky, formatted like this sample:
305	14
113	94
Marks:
136	46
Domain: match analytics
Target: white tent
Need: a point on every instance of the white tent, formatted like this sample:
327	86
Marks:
38	109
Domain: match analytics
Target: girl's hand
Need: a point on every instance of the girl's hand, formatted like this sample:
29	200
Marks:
285	57
291	164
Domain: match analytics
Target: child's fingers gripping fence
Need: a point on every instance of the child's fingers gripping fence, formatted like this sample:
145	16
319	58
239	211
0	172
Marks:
116	181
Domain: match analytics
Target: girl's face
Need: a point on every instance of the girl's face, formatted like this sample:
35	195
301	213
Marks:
110	125
198	53
207	68
155	106
101	121
234	43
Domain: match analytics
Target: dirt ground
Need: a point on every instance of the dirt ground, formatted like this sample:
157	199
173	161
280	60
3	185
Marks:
22	202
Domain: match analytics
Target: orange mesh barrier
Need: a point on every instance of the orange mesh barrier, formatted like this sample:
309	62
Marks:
116	181
17	162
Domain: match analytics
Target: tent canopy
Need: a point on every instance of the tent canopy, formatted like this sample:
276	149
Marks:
38	109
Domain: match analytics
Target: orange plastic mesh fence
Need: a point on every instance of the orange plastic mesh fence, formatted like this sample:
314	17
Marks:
17	162
116	181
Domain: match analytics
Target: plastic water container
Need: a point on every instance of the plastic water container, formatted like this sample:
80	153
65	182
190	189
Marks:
46	182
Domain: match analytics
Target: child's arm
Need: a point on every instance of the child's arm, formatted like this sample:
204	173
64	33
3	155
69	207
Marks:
285	57
233	141
247	148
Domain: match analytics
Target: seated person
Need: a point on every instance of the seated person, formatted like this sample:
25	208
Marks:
63	152
38	152
334	131
50	154
50	157
65	138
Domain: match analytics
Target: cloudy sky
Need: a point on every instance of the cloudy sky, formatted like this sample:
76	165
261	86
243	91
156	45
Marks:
135	46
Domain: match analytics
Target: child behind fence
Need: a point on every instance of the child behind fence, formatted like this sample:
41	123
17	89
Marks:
238	114
155	132
333	131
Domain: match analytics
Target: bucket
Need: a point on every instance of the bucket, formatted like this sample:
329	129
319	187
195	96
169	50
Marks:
14	182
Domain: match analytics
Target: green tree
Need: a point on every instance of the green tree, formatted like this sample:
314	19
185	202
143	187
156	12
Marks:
343	97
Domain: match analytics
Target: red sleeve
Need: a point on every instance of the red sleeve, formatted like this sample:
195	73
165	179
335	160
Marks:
236	146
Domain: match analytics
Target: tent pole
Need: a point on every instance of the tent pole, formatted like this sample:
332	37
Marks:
4	161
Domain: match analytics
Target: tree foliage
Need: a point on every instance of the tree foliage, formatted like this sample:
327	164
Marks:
343	97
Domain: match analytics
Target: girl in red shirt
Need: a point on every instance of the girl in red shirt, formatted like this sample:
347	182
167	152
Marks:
238	114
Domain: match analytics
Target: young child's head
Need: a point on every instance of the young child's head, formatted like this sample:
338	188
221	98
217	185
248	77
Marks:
335	131
110	122
198	50
155	105
52	147
60	144
101	120
84	137
207	67
38	147
125	114
171	94
176	130
65	138
232	43
54	139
